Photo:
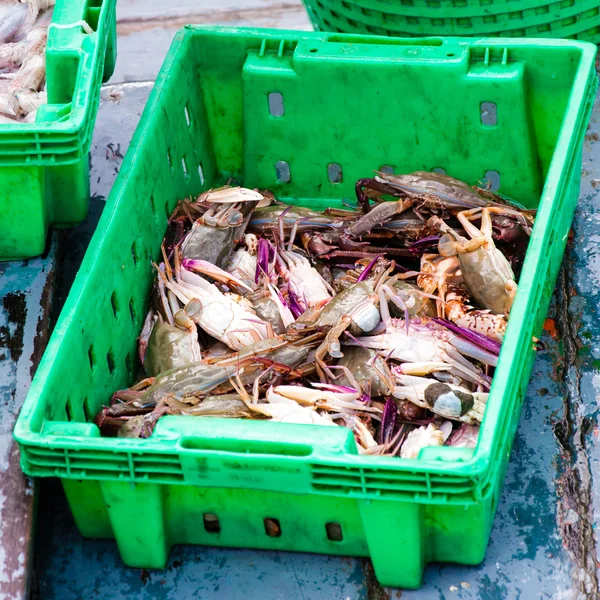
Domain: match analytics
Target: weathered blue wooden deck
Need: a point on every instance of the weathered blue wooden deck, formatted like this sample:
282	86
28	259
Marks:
544	539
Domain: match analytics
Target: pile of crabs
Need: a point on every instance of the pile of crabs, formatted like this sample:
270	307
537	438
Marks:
386	318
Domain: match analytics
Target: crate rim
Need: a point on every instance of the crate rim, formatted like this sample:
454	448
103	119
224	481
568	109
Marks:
478	466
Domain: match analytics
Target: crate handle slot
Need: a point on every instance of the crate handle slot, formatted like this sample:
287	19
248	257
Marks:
198	436
246	447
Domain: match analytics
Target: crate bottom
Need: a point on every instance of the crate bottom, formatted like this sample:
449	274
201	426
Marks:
401	538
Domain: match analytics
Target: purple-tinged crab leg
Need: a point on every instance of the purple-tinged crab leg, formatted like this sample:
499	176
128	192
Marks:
492	346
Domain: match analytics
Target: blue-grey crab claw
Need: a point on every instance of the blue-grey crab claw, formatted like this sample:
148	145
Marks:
448	402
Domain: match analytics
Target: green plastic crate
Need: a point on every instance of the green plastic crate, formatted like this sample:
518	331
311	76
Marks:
360	102
578	19
44	166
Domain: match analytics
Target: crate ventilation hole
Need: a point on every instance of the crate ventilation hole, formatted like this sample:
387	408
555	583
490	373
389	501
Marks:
282	171
276	108
272	527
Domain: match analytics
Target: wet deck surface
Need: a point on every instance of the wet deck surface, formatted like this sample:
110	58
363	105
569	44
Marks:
26	292
544	539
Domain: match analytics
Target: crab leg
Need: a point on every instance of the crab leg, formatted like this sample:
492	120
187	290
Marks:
145	335
164	300
331	345
207	268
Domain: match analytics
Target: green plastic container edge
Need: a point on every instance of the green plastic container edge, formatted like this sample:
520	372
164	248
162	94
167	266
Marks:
44	167
331	450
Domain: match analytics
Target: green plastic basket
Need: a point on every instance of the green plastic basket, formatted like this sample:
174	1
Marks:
359	102
579	19
44	167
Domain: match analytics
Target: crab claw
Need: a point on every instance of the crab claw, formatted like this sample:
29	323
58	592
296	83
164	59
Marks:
207	268
230	195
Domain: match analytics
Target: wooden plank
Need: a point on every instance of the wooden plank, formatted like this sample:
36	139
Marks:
26	295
